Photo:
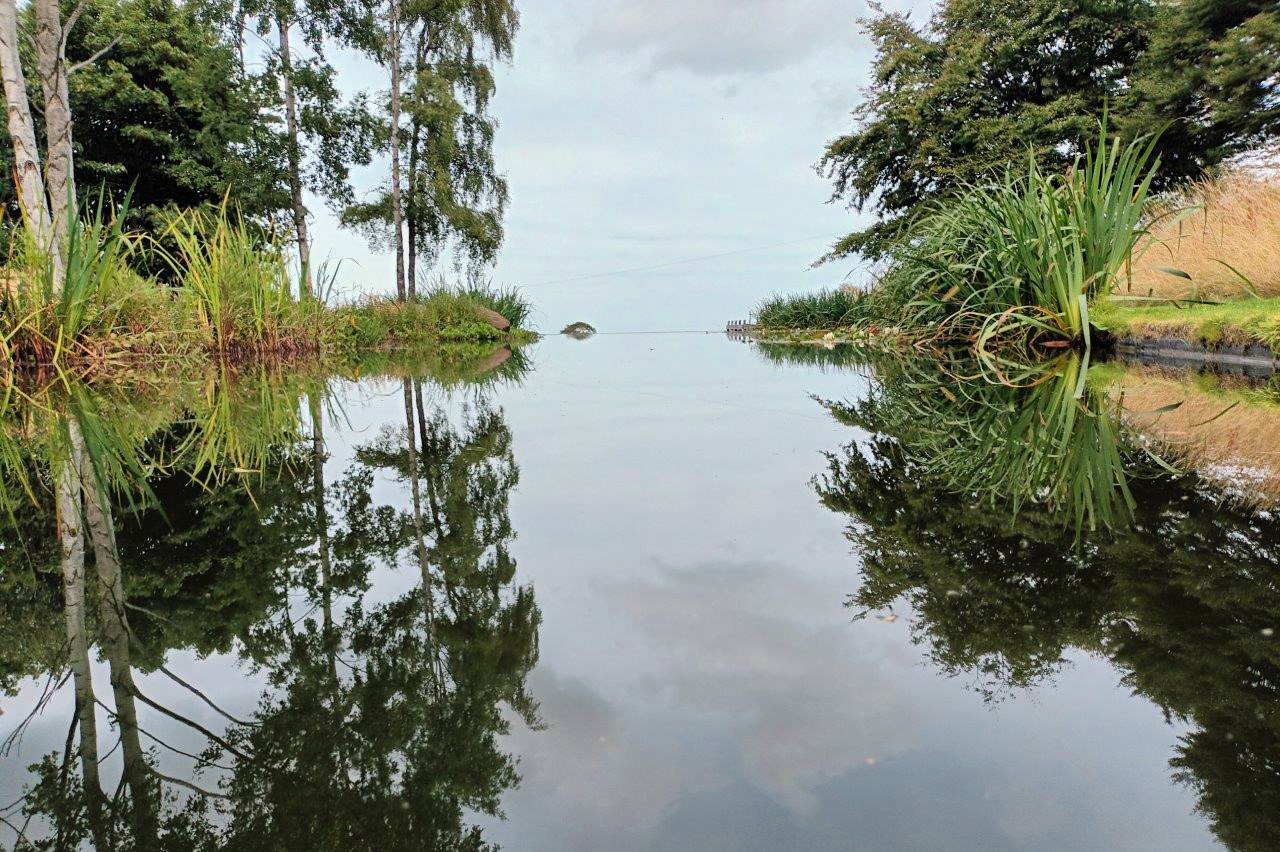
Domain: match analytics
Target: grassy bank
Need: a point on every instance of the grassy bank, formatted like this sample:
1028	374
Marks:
1016	262
1038	262
1238	323
212	286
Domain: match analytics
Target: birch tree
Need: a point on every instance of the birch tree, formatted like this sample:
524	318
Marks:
452	196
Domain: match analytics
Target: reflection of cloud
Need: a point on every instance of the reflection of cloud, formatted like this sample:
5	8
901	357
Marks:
741	644
729	690
591	763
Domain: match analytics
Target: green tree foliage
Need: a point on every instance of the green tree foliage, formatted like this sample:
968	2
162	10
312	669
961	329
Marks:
983	83
1214	65
167	110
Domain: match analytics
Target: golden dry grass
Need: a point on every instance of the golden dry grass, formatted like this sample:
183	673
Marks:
1227	437
1231	221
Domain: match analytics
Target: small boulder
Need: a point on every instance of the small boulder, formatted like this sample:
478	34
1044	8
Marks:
578	330
494	318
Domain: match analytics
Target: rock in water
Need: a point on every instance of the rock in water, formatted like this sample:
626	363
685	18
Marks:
494	318
578	330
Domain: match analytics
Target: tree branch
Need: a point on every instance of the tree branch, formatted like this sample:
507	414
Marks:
92	59
206	699
192	787
71	22
190	723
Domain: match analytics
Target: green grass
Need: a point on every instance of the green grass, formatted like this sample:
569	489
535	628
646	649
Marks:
442	316
1238	323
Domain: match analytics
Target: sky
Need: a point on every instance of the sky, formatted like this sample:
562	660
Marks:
640	134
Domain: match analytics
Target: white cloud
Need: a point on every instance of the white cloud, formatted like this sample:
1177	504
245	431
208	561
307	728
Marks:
716	37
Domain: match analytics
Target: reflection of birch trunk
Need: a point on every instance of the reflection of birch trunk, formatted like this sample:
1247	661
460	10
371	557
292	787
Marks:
424	565
322	530
433	501
115	642
437	523
71	537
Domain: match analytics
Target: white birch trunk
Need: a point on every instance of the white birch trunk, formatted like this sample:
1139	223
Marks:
22	130
59	159
397	210
295	158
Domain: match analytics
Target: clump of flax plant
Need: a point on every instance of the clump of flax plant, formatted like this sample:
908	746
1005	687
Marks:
1019	261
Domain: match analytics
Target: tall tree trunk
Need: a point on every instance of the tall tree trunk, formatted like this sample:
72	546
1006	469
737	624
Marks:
71	536
411	209
413	205
295	157
397	211
59	158
22	131
115	642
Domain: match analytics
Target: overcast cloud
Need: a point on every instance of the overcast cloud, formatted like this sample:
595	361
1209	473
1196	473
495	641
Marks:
720	36
635	134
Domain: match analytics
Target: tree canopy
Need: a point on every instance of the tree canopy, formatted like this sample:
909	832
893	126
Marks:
983	84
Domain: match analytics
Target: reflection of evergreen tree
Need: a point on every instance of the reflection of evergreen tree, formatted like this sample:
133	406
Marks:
1183	600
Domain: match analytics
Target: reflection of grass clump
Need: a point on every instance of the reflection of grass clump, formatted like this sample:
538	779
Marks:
1046	436
578	329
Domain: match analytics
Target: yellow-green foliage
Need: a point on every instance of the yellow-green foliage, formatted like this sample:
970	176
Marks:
236	284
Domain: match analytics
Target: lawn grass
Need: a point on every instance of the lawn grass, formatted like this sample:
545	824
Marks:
1239	323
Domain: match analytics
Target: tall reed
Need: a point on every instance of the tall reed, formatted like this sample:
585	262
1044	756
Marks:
1020	259
236	282
41	322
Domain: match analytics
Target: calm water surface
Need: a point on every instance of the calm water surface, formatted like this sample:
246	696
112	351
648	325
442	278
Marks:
653	595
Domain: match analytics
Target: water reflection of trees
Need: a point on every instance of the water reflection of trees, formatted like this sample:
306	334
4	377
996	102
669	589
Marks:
1184	599
382	720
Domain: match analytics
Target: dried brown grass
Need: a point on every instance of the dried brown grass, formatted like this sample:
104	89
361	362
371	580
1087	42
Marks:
1230	221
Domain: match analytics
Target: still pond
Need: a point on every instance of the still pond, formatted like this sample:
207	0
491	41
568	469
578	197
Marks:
654	592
